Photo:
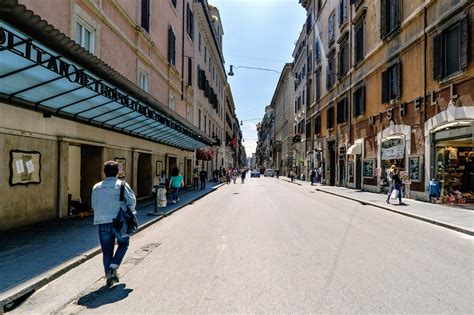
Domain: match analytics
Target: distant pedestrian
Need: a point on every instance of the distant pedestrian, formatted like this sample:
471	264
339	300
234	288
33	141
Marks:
106	205
313	176
390	174
203	178
242	176
397	185
292	175
278	174
176	183
195	179
227	176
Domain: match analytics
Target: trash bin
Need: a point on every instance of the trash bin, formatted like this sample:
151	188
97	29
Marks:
161	200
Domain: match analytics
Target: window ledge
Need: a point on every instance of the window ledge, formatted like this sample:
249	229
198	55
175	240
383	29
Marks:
452	77
392	34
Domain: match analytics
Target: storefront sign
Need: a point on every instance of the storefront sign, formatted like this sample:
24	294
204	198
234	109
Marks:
392	153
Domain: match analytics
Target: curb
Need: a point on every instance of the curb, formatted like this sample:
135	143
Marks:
411	215
74	262
292	182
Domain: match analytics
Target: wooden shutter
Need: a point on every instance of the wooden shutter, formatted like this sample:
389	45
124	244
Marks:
437	57
385	87
362	108
170	42
145	11
465	43
398	13
383	18
328	78
398	71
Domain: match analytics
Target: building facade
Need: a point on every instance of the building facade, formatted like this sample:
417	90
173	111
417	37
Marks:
104	80
393	83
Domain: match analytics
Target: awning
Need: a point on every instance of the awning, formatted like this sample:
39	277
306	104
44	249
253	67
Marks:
355	149
84	89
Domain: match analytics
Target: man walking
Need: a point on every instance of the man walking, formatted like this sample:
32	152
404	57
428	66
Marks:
106	205
313	176
202	178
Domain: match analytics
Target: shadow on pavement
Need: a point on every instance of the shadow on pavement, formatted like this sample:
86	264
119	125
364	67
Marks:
104	295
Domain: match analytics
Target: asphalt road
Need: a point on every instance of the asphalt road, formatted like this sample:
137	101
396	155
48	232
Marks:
269	246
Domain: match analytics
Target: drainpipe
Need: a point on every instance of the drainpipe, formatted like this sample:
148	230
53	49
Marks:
425	39
351	111
182	51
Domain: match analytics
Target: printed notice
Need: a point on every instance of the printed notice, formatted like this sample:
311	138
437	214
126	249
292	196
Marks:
19	167
30	167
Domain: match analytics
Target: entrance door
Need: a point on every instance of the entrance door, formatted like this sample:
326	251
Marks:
342	171
91	171
189	172
172	163
332	163
358	172
144	172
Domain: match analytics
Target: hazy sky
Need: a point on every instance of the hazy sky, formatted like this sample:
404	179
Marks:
257	33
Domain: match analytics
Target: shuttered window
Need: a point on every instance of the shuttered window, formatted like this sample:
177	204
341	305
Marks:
330	74
359	101
171	46
189	22
391	83
317	51
342	8
317	125
342	111
451	50
343	58
390	16
331	28
308	130
330	117
190	71
145	12
318	84
359	42
174	2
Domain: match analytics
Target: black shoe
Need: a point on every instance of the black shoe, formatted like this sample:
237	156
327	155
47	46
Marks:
112	277
388	201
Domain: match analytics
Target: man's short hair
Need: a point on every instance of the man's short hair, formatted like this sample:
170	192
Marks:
111	168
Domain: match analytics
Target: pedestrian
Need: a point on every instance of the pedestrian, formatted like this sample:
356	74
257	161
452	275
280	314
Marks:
278	174
313	176
320	174
390	182
195	179
242	176
176	182
234	176
397	185
106	205
227	176
292	175
202	178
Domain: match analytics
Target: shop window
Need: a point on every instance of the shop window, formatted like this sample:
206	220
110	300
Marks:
145	15
171	46
144	80
330	118
391	83
451	50
390	16
359	42
359	101
331	28
85	36
342	111
189	22
343	58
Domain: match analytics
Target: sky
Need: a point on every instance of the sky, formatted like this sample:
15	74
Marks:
262	34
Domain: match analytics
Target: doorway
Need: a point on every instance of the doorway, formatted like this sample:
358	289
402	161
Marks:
91	171
358	172
144	173
188	172
332	163
172	163
342	170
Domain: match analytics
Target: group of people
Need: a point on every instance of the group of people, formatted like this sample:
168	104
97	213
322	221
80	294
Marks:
395	184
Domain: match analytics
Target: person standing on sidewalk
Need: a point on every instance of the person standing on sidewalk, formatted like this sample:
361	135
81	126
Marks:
313	176
106	205
397	185
176	182
196	179
202	178
390	182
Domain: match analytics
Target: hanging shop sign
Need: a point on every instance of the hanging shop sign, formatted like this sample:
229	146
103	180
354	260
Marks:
395	152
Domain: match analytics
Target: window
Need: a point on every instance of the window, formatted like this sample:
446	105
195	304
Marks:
342	11
171	46
205	123
317	125
391	88
330	118
318	84
359	101
189	115
330	74
172	102
199	119
451	50
190	22
190	71
174	2
145	11
317	51
359	42
308	130
331	28
200	42
205	54
343	58
390	16
144	81
342	111
85	36
309	96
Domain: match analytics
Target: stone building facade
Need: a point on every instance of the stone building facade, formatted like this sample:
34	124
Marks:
394	86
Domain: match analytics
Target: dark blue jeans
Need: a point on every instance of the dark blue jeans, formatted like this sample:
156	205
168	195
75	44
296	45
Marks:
176	193
107	236
203	184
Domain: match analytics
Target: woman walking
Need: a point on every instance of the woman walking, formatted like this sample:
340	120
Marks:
176	182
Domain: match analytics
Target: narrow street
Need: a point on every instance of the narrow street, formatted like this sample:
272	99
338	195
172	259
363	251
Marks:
269	246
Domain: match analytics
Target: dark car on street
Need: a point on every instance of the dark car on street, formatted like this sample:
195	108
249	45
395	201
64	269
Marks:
254	173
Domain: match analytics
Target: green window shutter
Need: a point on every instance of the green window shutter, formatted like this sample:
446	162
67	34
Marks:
465	43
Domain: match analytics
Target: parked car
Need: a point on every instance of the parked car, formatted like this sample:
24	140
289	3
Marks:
269	173
254	174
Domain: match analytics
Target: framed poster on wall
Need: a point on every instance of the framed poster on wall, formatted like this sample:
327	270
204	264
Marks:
159	167
122	167
415	168
368	168
25	167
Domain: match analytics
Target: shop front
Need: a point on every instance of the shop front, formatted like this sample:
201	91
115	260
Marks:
392	157
452	163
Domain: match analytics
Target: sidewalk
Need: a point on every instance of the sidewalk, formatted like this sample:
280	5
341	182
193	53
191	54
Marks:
32	258
461	220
